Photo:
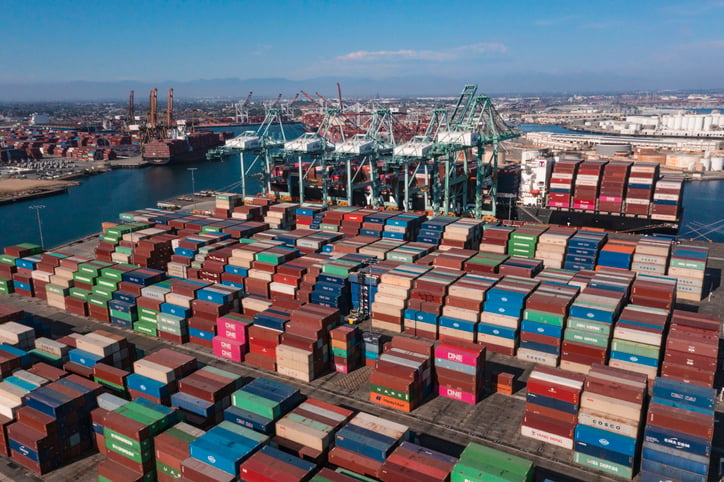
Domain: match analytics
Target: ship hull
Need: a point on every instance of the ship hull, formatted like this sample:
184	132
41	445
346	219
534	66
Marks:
185	157
591	219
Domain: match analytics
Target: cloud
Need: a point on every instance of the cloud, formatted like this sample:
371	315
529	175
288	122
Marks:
442	55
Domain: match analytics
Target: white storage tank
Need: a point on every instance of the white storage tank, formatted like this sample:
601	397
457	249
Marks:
717	162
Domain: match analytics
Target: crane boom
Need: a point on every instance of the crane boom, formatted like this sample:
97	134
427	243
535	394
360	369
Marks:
276	101
339	94
169	109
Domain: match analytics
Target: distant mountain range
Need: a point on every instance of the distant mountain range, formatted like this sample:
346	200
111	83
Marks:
351	87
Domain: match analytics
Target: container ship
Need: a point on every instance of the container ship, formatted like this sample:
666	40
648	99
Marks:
615	195
190	148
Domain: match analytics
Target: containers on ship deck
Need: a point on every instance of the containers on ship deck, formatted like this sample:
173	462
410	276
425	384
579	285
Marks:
588	180
562	183
613	186
667	199
639	190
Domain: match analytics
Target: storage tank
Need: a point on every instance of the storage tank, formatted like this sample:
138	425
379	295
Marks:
613	149
717	162
657	157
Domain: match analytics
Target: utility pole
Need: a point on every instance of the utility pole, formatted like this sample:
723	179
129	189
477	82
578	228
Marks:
193	184
37	208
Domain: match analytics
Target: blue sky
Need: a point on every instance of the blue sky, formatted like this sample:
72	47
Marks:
102	40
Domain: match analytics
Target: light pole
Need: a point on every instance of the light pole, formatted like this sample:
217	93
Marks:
193	184
37	208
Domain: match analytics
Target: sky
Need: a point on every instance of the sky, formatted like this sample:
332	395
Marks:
627	44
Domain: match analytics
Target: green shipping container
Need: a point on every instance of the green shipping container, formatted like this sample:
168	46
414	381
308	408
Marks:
633	348
586	337
543	317
591	326
255	404
604	465
146	328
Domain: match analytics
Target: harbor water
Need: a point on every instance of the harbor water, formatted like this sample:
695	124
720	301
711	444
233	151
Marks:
99	198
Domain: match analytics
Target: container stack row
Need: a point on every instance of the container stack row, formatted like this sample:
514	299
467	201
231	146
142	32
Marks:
562	183
640	188
588	180
613	186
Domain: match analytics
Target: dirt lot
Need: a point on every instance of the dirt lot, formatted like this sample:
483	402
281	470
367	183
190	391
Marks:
9	187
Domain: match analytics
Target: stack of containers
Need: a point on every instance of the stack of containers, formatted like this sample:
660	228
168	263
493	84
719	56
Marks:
552	404
692	348
204	394
99	347
688	265
270	463
263	341
616	254
588	179
403	226
607	434
651	256
425	300
485	263
232	339
155	377
461	313
499	325
281	216
409	252
637	339
523	241
309	216
431	231
260	403
667	199
365	442
373	345
218	453
522	267
483	463
551	247
544	319
225	203
460	370
403	376
654	291
17	335
582	250
171	448
304	349
413	463
562	183
679	432
392	293
463	233
128	432
308	430
211	302
639	191
347	349
590	324
50	351
374	224
54	426
613	186
495	239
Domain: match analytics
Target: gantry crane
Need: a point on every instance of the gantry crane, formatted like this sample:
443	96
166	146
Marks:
242	110
456	142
